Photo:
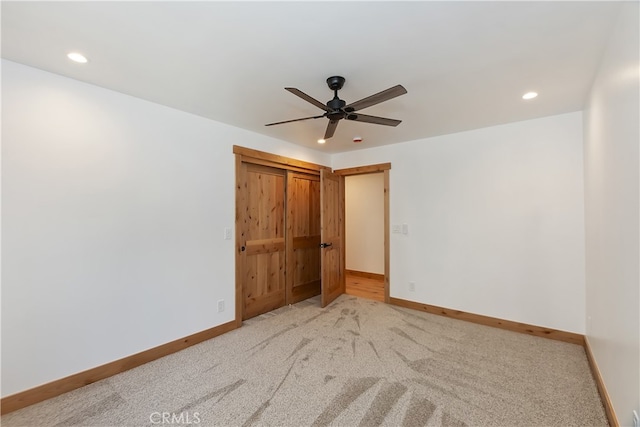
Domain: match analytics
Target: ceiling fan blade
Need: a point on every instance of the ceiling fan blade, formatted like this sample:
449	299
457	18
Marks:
331	128
295	120
307	98
373	119
379	97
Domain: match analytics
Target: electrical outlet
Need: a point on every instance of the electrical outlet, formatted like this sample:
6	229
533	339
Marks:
220	306
227	233
412	286
636	420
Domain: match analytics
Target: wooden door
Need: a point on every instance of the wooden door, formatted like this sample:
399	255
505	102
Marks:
332	235
264	239
303	236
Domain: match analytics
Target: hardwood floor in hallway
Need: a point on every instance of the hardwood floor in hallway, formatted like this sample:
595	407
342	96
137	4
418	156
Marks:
365	287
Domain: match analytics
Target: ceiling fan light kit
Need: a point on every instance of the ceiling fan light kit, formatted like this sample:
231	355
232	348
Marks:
336	109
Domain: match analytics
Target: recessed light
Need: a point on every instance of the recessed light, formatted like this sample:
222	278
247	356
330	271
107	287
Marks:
321	141
77	57
529	95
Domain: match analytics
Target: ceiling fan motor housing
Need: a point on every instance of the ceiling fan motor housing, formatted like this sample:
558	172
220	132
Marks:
336	104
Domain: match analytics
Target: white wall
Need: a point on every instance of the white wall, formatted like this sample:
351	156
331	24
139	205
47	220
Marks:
113	217
364	212
612	216
496	220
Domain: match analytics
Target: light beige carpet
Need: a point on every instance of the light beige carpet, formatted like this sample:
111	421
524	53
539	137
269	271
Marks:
354	363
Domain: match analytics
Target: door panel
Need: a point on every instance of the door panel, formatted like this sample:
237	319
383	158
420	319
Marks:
332	235
264	254
303	236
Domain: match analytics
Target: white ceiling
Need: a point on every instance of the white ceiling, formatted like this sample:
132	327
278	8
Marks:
465	65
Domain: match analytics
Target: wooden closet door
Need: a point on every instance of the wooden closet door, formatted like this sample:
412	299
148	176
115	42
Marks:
303	236
264	236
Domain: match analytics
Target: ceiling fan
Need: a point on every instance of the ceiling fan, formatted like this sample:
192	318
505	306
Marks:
337	109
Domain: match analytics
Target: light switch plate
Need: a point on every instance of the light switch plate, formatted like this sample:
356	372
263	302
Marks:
227	233
405	228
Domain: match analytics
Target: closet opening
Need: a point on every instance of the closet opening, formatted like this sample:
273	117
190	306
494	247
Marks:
289	232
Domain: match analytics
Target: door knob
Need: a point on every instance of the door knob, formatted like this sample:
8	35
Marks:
325	245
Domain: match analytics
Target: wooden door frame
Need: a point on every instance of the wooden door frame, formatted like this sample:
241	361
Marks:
377	168
248	155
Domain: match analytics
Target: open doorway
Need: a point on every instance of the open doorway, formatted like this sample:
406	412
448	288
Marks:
364	225
367	231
